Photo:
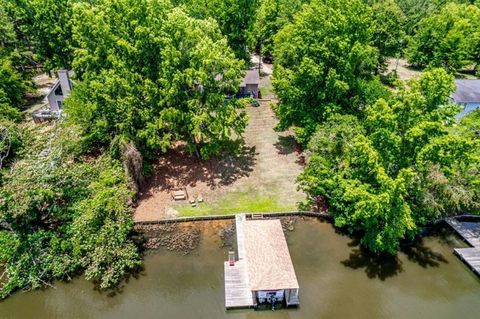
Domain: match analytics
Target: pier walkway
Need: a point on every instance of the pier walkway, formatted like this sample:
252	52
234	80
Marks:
470	232
237	289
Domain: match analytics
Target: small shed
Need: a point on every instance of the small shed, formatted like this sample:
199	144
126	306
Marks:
264	271
60	90
56	95
467	95
249	85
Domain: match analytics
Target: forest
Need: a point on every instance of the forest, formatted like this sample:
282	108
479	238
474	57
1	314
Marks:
387	156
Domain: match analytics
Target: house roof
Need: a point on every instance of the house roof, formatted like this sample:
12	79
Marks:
252	77
468	91
57	83
54	87
268	259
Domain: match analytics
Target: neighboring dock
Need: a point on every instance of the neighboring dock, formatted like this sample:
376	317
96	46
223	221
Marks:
470	232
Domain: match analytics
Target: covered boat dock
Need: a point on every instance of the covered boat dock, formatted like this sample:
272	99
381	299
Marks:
263	271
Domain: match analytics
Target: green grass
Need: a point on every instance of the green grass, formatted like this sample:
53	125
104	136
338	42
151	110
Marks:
237	202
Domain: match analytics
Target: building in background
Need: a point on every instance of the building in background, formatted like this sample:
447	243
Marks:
249	85
467	95
55	97
60	90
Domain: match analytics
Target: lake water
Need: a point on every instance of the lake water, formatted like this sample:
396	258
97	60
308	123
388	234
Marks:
337	280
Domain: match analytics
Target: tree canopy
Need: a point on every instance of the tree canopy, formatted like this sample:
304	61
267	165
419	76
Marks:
235	18
52	31
271	16
389	35
13	84
396	167
61	214
160	79
448	39
325	63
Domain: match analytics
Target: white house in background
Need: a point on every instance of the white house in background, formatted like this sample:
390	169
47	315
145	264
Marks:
467	95
60	90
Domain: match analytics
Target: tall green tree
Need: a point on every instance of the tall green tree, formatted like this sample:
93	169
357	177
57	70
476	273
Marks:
152	75
397	168
416	10
271	16
235	18
389	36
12	91
12	86
449	39
324	63
52	32
16	35
13	82
61	215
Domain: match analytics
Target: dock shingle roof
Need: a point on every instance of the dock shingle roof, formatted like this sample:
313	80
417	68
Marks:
269	264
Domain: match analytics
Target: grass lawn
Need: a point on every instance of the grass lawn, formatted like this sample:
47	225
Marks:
262	179
237	202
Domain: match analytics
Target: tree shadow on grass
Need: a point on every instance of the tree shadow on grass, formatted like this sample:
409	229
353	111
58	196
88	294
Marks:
286	145
179	169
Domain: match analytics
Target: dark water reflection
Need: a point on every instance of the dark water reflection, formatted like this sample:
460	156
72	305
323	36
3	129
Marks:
338	279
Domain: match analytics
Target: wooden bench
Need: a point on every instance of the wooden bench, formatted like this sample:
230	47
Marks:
179	195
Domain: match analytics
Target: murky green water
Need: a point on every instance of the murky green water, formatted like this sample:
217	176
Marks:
336	281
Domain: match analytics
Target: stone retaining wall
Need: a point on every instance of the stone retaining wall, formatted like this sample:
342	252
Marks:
232	216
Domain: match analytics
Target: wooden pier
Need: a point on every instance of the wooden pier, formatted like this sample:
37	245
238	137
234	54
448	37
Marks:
237	290
471	256
470	232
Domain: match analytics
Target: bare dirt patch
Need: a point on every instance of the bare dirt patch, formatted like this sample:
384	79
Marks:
404	71
37	100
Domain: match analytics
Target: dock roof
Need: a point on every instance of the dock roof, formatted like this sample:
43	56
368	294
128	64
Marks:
269	264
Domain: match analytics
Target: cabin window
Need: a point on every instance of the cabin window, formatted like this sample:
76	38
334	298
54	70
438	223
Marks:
58	90
59	104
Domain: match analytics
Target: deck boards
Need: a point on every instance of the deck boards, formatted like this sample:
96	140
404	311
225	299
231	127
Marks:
471	256
470	232
239	223
237	290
